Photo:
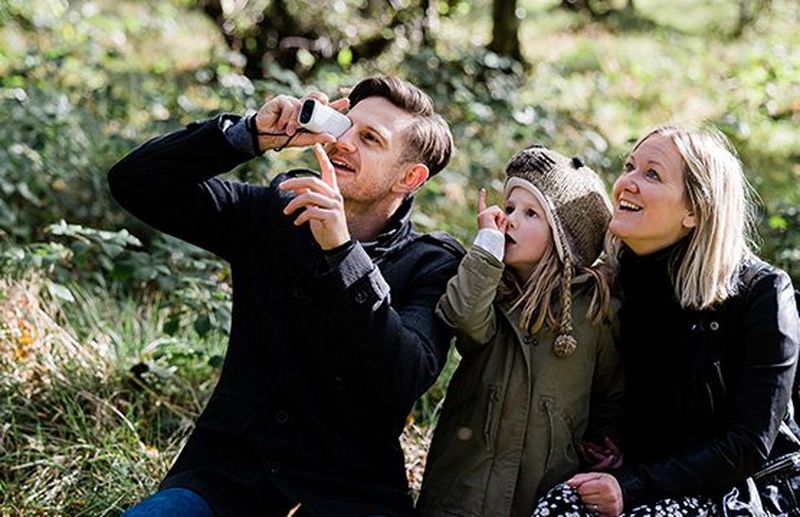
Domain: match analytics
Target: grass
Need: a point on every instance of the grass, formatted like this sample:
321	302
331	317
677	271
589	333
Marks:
96	403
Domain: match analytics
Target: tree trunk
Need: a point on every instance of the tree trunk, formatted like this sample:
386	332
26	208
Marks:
278	35
505	29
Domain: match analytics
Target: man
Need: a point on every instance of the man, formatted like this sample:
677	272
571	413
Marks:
333	334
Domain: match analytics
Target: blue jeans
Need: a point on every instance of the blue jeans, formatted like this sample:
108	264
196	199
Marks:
172	502
178	502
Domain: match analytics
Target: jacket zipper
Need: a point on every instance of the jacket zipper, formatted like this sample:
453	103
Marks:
548	408
487	426
718	368
710	397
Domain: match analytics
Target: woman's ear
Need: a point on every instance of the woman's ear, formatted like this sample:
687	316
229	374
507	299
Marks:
413	177
689	220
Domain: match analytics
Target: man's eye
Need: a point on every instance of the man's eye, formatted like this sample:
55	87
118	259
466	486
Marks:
531	213
509	209
628	167
369	137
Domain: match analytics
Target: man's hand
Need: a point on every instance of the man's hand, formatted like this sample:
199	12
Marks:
276	122
492	217
323	203
600	493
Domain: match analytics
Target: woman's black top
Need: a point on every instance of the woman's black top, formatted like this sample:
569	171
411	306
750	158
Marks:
706	390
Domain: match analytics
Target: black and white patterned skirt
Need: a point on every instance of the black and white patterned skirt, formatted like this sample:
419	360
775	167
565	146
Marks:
564	501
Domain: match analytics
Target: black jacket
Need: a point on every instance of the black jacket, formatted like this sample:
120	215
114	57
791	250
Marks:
707	392
328	351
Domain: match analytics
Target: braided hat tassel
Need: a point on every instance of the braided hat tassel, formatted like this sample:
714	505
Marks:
565	343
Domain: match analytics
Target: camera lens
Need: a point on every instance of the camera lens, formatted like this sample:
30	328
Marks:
306	111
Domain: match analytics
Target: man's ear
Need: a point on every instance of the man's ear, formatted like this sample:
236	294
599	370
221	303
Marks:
413	177
689	220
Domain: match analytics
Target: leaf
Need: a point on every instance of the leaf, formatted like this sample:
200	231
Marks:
345	57
60	291
777	222
171	325
215	361
122	272
202	325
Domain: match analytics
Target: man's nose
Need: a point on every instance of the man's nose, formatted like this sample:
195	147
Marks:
345	140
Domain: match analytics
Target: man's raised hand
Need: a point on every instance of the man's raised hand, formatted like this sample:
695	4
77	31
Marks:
276	122
322	201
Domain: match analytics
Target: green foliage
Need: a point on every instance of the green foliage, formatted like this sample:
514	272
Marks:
49	146
782	239
103	261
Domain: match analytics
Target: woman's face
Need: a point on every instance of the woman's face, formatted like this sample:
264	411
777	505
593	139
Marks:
651	210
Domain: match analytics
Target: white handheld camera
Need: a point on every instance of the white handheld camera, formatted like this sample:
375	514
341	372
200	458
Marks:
319	118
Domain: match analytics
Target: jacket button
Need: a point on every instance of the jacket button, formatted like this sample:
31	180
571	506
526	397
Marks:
714	325
272	467
361	297
282	417
530	340
338	382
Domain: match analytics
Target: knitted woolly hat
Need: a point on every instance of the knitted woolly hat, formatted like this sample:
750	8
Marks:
578	211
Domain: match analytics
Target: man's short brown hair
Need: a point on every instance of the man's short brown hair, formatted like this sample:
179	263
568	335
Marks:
428	140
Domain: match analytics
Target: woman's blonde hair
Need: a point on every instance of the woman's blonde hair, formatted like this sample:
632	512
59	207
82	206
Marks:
721	200
540	295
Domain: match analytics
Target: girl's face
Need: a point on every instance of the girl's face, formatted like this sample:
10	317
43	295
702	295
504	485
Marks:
651	210
527	233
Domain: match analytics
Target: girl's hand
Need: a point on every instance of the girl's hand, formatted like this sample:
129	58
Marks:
602	457
492	217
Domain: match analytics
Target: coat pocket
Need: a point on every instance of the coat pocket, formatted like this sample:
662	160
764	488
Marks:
561	457
491	418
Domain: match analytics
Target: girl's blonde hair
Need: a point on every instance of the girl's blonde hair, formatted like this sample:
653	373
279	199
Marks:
540	295
721	200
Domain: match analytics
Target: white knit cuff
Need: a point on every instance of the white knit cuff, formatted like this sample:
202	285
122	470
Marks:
493	241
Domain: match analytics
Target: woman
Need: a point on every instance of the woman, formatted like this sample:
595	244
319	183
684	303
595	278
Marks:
709	337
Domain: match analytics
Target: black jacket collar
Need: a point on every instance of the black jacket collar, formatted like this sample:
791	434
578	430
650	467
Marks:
395	234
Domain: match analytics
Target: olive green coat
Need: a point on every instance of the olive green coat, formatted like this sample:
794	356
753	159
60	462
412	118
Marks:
515	413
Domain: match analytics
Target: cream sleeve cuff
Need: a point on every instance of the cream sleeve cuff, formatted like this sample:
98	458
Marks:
492	241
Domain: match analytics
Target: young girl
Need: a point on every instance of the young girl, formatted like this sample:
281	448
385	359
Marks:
533	322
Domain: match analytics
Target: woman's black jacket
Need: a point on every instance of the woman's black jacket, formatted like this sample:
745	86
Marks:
707	391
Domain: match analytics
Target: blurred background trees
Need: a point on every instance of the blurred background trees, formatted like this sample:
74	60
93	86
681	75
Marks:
111	336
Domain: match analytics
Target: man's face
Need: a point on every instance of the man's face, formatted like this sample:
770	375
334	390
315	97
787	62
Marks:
366	157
